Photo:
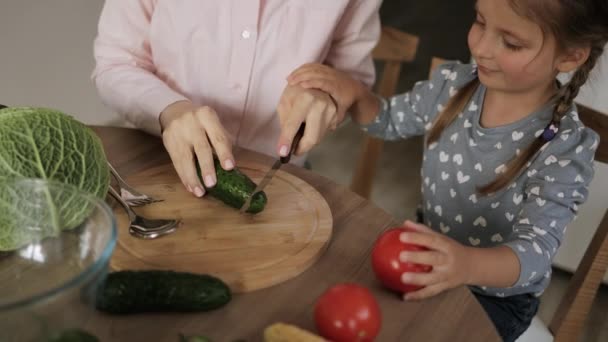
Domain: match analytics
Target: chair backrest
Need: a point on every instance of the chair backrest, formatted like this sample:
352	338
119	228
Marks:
569	320
393	49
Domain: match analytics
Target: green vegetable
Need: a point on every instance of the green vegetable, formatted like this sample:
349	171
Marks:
127	292
50	145
73	335
234	187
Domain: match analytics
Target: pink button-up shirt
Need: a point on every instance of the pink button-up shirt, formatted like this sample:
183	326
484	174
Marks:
231	55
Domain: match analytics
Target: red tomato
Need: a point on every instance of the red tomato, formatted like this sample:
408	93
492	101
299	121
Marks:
347	313
386	264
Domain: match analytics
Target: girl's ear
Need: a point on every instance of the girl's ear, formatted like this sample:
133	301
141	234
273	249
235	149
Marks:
572	58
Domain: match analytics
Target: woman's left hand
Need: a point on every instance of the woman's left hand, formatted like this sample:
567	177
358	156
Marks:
450	261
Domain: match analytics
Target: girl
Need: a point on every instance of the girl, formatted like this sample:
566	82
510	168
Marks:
506	162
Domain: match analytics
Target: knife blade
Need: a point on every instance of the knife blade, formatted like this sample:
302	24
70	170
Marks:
277	165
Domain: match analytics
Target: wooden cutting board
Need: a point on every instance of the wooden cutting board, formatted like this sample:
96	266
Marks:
248	252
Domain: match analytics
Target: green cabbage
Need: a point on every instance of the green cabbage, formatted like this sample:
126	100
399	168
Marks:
46	144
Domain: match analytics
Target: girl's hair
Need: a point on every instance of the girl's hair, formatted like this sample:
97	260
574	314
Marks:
573	23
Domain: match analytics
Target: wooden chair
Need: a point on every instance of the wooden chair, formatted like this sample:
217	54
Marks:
393	49
569	320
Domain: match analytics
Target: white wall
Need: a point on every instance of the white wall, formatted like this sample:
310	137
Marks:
46	56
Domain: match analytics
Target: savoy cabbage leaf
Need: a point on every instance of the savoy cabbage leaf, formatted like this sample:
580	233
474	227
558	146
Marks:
50	145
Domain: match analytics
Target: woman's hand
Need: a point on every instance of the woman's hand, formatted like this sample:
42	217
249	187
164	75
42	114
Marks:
189	131
343	89
450	261
312	106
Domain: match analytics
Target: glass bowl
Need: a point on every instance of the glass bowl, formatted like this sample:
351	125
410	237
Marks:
55	246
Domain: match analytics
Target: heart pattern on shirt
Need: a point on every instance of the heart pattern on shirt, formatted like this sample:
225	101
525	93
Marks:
480	221
473	107
473	198
500	169
467	124
517	135
539	231
444	229
401	116
517	198
478	167
541	202
452	91
443	157
510	217
457	159
550	160
521	248
532	172
438	210
496	238
444	175
535	190
458	218
564	163
495	205
452	193
498	145
433	188
454	137
474	241
579	149
462	178
433	145
472	142
579	179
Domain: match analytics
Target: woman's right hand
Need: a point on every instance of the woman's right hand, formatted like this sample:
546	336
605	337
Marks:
189	131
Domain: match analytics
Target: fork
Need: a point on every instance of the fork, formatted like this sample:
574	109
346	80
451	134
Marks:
143	227
133	197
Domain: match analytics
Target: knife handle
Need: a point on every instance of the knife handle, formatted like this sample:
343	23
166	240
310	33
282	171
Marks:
294	144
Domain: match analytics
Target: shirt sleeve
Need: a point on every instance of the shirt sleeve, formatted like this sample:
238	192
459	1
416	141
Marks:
557	186
355	37
412	113
124	73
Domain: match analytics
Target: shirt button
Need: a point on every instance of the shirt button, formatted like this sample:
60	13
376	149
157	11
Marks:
246	34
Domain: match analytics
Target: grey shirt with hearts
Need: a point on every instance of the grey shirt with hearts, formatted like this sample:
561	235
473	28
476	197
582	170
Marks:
531	215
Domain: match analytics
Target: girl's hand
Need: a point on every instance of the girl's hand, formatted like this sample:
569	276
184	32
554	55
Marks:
190	131
312	106
342	88
450	261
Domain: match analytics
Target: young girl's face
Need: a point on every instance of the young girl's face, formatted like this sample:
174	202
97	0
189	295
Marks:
512	53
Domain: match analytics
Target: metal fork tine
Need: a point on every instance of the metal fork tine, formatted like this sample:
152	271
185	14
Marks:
128	193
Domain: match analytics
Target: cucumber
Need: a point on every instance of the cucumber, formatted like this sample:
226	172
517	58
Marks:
234	187
127	292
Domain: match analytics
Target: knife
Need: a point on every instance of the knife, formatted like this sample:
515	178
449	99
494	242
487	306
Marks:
277	164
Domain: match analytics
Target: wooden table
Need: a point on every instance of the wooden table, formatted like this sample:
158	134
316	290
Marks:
452	316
